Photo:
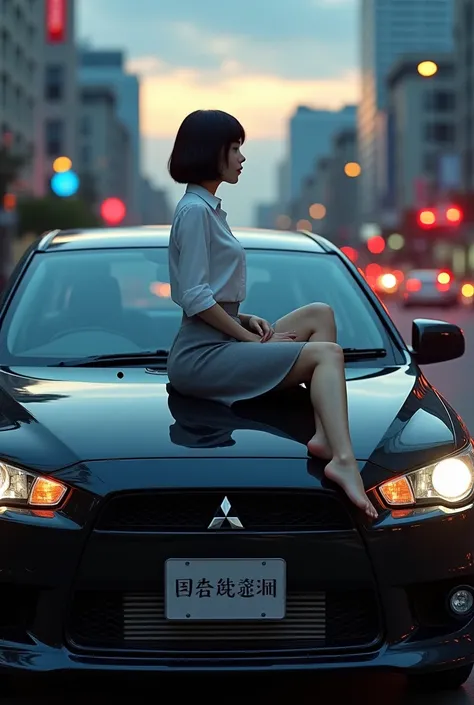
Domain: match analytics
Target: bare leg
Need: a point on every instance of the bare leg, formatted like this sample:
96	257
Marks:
314	323
325	363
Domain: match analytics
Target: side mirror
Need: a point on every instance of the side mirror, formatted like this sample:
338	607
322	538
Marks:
436	341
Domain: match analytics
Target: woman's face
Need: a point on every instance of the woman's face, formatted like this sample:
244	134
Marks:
232	170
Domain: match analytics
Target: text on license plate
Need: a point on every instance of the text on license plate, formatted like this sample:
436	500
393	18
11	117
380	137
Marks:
225	589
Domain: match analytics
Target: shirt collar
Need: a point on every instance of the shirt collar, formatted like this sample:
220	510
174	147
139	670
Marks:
203	193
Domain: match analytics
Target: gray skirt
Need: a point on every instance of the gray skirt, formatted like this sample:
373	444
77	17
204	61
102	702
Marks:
208	364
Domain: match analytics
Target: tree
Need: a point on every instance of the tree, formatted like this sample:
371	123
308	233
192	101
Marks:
37	215
10	168
11	165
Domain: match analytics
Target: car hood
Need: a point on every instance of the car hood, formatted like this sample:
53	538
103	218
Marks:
53	418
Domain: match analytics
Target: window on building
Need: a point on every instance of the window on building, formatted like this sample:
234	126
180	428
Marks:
439	132
440	101
54	82
85	127
54	137
430	163
86	156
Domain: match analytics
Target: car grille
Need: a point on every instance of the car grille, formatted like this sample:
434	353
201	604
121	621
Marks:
136	621
193	511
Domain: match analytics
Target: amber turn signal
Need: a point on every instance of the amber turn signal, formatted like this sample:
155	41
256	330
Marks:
397	492
46	492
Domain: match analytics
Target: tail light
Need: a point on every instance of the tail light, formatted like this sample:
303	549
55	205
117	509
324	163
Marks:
413	285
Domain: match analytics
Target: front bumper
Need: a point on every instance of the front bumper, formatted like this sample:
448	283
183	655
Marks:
67	579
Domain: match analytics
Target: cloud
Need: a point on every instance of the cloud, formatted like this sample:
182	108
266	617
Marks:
313	38
262	101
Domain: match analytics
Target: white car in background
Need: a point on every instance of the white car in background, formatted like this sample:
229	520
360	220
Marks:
430	287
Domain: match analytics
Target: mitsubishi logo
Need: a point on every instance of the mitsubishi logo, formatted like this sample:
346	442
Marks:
223	515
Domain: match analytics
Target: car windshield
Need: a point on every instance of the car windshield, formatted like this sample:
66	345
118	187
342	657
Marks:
114	301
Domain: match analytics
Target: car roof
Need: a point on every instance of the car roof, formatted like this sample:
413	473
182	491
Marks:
158	236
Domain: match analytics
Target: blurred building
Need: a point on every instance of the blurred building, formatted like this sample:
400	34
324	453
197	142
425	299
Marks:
311	132
266	215
21	62
104	154
464	61
421	132
56	115
389	30
155	207
106	68
343	189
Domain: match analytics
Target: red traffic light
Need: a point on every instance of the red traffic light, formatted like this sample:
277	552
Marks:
426	218
454	215
113	211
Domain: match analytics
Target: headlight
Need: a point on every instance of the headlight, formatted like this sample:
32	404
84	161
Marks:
18	487
448	482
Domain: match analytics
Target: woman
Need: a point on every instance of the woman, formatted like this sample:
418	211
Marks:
208	279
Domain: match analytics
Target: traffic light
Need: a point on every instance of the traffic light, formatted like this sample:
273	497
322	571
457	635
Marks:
454	215
427	218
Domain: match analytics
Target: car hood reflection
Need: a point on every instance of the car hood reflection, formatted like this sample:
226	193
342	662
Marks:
59	416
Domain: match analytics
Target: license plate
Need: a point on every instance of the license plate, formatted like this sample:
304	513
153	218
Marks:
225	589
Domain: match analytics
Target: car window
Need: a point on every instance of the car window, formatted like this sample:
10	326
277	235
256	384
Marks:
95	302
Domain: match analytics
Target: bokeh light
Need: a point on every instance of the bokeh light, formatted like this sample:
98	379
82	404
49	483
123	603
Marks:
396	241
303	225
352	169
350	252
62	164
317	211
283	222
376	245
427	68
65	183
113	211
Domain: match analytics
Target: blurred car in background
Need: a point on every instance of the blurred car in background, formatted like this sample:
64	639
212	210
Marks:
430	287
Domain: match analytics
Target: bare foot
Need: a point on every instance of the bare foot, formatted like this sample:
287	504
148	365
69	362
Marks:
319	446
347	476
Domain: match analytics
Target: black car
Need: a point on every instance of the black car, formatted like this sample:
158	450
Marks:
143	530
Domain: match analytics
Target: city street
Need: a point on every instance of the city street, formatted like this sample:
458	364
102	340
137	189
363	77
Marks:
454	380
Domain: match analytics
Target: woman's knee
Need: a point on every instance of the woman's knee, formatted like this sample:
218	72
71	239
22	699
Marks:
321	311
322	352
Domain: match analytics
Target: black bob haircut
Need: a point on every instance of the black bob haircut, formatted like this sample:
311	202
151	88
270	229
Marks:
203	140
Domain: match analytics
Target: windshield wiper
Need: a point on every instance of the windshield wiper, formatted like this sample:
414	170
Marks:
364	353
144	356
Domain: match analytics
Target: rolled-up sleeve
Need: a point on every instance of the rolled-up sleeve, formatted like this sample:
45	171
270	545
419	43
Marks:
193	262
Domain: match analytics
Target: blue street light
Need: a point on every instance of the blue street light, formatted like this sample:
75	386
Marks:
65	183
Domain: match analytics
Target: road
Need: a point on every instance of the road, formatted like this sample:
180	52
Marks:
456	382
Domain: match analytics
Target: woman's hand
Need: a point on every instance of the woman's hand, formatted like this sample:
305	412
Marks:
281	338
261	327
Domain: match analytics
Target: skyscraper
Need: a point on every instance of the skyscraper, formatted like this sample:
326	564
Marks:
389	29
106	68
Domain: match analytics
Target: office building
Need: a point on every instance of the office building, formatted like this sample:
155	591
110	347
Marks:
464	64
311	132
421	133
21	61
106	68
104	149
388	30
155	207
56	116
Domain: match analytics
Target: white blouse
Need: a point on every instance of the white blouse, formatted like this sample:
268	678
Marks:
206	262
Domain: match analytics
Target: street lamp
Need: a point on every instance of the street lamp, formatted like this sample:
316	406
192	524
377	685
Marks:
427	68
352	169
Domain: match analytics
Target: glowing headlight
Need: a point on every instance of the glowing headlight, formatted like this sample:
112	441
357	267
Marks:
448	482
18	487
